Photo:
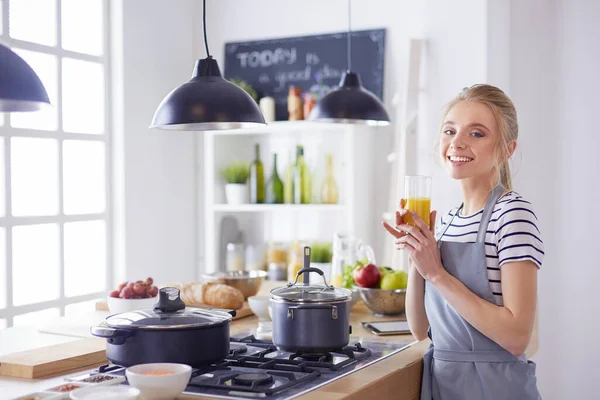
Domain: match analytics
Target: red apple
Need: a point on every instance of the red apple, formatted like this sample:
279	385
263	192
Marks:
367	276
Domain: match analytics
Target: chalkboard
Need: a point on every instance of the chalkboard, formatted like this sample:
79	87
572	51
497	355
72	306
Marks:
312	63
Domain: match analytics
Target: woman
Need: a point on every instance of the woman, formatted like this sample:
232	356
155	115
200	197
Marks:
472	286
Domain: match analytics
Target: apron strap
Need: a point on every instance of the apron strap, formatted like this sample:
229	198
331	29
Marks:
445	228
487	212
485	218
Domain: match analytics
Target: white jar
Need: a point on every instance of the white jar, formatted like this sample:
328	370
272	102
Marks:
267	108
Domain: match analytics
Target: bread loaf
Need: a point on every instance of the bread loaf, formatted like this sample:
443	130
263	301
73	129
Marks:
221	295
211	294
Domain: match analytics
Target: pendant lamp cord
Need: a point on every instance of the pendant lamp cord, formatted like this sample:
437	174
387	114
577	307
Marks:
349	40
204	25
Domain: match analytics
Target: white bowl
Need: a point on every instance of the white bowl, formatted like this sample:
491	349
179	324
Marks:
117	305
119	392
260	306
159	387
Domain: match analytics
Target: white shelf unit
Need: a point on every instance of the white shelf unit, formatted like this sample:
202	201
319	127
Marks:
351	147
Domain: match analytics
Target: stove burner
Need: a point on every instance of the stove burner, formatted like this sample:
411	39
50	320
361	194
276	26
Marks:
316	357
237	348
252	379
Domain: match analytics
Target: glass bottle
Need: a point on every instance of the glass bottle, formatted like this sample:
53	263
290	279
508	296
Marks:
257	178
329	192
302	181
274	185
288	183
295	104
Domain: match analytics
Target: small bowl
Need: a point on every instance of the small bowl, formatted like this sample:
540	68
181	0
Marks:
118	392
64	390
117	305
159	387
260	306
383	302
247	282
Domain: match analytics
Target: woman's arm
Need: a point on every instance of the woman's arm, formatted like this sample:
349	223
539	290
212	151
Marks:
415	290
415	304
510	326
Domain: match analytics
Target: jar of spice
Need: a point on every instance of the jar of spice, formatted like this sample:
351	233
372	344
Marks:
295	104
309	103
295	260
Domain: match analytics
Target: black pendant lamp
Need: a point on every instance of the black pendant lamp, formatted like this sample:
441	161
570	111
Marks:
20	87
207	101
350	103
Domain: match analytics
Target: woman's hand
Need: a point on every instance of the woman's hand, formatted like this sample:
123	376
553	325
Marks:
395	230
420	242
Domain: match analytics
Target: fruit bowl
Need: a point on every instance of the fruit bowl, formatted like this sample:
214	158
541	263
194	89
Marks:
381	301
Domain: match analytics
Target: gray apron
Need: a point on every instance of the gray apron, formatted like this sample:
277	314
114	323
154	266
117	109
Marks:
463	363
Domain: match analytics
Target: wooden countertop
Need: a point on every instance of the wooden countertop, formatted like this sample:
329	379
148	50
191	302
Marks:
397	376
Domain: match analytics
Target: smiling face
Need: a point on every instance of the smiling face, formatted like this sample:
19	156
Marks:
469	140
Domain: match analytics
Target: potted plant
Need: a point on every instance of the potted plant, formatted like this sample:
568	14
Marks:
320	257
236	175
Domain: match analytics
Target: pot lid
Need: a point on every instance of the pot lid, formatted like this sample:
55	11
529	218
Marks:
169	312
311	293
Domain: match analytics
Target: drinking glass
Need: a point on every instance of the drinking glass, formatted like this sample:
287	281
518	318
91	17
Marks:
417	191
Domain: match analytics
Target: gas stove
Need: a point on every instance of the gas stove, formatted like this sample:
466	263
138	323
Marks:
257	369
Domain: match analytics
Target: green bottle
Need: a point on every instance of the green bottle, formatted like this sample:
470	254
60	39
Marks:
274	185
257	178
288	184
302	185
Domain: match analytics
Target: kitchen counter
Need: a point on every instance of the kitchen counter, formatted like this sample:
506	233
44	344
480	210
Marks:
397	376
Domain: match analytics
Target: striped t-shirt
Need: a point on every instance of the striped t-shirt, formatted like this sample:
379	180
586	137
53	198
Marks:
512	235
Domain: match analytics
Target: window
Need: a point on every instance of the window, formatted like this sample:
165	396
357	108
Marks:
55	217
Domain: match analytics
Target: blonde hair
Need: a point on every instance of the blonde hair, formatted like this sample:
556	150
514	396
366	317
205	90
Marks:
506	117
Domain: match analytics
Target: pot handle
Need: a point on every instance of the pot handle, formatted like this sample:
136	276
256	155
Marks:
311	269
334	310
112	335
169	300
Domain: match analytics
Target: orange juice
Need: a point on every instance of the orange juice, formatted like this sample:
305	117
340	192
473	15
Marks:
420	205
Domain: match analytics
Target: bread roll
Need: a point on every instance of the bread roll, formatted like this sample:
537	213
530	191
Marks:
222	296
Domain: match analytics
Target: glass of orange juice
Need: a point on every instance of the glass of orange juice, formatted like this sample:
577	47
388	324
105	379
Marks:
417	191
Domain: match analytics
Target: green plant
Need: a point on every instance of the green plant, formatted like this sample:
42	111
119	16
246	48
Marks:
236	173
246	87
320	253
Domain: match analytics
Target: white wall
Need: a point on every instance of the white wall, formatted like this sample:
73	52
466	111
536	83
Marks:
155	177
577	266
555	58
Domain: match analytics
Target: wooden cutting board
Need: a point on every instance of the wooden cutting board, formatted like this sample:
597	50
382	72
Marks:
245	311
54	360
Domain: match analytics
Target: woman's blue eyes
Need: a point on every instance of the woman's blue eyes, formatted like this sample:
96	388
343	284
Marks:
474	134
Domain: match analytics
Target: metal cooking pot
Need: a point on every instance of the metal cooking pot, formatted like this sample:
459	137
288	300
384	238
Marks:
168	333
310	318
